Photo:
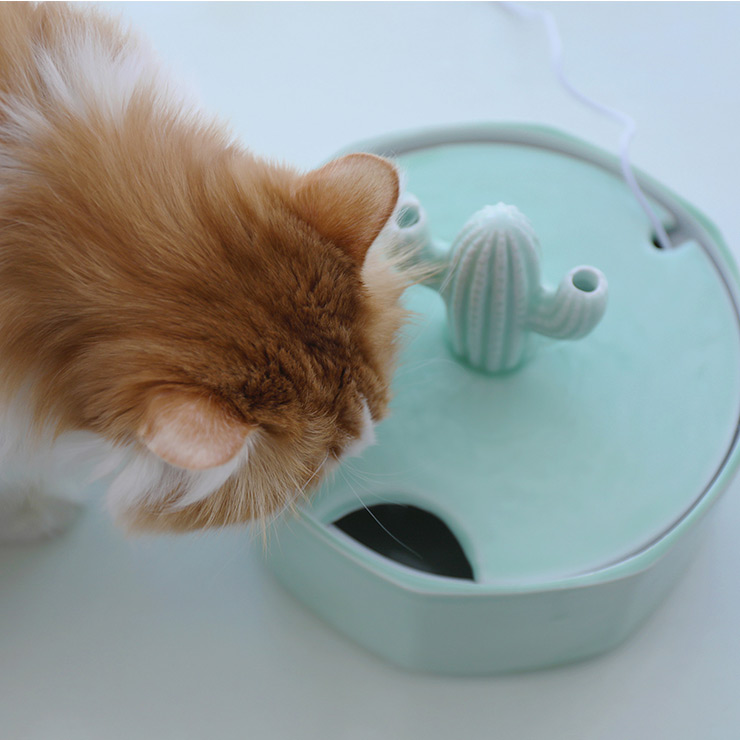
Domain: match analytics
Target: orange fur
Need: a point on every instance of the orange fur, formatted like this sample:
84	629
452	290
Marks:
142	250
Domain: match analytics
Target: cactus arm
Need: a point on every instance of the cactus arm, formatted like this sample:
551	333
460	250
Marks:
574	309
414	243
435	257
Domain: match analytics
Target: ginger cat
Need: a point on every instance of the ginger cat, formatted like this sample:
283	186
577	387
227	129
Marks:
217	327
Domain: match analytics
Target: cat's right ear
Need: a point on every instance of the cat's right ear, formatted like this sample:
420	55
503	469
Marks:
191	430
349	200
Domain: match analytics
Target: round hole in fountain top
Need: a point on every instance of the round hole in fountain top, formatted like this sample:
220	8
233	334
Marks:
574	475
408	535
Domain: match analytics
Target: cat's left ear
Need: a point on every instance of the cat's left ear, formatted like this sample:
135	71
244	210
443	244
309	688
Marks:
191	430
349	200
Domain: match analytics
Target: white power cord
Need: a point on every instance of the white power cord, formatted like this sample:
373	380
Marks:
628	123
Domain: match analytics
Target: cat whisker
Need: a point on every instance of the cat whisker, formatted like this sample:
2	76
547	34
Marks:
295	495
370	476
406	369
379	523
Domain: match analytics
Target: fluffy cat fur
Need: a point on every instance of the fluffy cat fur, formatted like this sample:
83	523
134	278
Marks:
215	328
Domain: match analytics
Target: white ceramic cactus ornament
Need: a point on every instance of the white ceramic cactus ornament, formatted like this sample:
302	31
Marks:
490	281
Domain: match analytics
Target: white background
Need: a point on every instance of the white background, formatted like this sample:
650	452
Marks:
103	638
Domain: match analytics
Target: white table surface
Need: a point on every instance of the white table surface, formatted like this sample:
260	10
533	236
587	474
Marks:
104	639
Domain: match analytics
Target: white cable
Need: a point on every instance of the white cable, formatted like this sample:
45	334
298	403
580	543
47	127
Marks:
628	123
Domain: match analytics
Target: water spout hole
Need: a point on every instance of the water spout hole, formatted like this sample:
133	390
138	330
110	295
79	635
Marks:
586	281
408	216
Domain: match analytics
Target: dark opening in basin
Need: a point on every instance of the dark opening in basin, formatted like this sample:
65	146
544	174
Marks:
410	536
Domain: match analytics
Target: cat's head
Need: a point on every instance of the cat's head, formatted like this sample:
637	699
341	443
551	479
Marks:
267	357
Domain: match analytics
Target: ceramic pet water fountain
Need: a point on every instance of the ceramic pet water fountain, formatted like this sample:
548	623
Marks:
550	454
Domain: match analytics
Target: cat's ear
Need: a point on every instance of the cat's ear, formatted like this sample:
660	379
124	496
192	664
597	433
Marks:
191	430
349	200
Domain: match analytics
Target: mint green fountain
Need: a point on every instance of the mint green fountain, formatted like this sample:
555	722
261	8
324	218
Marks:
552	452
